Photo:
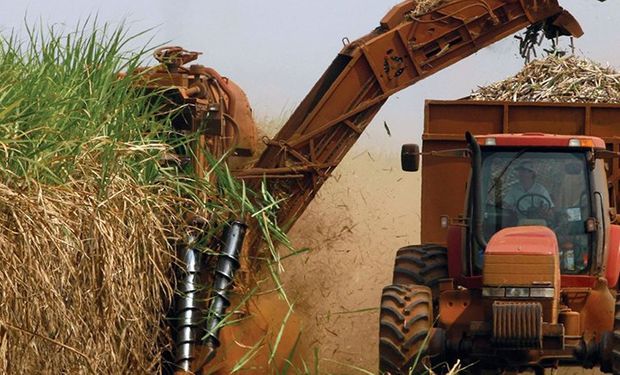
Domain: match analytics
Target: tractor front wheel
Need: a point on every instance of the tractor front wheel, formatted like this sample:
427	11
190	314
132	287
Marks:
406	320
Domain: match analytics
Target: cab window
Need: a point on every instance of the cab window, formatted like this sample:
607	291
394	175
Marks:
540	188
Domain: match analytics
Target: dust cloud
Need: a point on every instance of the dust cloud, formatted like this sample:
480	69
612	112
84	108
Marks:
363	214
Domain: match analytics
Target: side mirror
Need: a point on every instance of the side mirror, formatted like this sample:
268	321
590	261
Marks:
410	158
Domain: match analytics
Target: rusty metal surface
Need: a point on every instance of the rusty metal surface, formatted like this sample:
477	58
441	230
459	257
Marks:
457	309
403	51
596	310
206	104
447	121
517	324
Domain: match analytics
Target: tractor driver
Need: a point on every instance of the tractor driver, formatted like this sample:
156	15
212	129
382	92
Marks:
528	197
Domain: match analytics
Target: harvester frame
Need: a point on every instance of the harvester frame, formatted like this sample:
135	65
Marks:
403	50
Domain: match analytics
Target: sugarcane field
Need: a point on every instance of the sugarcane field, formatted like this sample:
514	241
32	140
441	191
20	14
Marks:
286	188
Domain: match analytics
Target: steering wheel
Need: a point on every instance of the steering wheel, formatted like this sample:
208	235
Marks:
545	203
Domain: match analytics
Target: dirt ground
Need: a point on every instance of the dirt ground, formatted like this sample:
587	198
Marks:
353	228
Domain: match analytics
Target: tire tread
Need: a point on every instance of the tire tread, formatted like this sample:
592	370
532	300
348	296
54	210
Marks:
406	318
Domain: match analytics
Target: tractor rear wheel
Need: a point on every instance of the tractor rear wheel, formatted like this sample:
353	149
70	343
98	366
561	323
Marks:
421	265
406	319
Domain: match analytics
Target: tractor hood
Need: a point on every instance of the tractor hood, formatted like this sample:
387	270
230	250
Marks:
522	256
526	240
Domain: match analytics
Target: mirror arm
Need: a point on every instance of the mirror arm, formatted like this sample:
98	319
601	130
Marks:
452	153
606	154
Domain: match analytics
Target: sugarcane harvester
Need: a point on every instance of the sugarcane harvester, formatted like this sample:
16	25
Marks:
215	114
404	49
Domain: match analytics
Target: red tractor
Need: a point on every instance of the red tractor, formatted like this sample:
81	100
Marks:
526	278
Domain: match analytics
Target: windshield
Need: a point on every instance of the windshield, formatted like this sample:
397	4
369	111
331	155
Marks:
539	188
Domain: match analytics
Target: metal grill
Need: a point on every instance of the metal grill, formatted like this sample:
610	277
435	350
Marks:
517	324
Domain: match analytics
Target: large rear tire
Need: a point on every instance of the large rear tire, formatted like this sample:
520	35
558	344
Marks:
406	319
421	265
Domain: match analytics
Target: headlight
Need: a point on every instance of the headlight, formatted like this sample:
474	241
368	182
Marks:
542	292
518	292
493	292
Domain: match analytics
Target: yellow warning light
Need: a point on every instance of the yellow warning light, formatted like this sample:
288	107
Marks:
575	142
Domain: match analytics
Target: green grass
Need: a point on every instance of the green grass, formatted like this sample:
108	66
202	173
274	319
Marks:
61	100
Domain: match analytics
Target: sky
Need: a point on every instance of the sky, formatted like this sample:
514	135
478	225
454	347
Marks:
277	49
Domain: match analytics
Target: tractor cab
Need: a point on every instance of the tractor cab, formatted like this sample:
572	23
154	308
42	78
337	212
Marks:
543	180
